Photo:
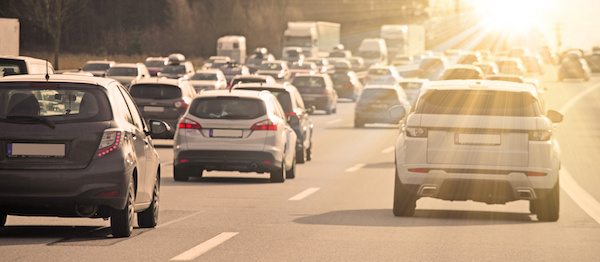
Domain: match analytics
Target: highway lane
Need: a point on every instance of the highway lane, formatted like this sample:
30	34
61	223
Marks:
338	208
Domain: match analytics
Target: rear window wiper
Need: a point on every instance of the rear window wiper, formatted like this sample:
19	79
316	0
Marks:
29	119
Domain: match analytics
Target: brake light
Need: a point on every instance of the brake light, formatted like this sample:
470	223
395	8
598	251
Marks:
110	142
181	104
419	170
188	124
264	125
291	114
416	132
349	85
540	135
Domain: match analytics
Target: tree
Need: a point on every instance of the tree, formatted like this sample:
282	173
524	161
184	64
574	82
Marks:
50	16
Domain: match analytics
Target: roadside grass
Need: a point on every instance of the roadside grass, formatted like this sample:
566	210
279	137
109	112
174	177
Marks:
73	62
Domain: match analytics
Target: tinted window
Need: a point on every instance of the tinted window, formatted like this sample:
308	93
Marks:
155	63
340	78
371	95
308	82
283	97
174	69
67	104
227	108
155	91
478	102
205	76
95	67
122	71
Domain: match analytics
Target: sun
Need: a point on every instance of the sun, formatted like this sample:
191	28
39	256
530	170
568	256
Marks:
513	15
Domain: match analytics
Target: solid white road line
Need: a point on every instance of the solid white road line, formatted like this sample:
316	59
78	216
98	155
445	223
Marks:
355	167
587	202
204	247
334	121
388	150
304	194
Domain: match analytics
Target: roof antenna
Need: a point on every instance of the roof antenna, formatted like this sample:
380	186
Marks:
47	75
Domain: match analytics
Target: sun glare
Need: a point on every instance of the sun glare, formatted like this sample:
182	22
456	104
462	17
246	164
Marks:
513	15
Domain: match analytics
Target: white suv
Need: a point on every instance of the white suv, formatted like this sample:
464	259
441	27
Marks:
486	141
234	130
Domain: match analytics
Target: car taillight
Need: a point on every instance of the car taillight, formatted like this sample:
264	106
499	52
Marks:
416	132
419	170
349	85
188	124
540	135
291	114
181	104
264	125
110	142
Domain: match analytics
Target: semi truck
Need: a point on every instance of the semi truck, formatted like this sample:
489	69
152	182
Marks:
404	40
9	36
313	39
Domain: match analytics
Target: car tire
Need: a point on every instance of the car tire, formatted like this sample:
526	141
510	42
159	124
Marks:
121	220
278	176
334	110
358	124
309	153
291	173
180	174
149	217
328	111
3	219
547	208
301	155
404	202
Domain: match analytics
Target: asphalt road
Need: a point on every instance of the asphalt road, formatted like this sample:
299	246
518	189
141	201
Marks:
338	208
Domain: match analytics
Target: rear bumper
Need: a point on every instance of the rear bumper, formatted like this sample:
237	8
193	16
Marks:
221	160
319	102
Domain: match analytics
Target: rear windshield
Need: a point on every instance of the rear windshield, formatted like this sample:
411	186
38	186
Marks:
308	82
340	78
58	105
283	97
227	108
174	69
122	71
461	74
96	67
155	91
155	63
270	66
478	102
205	77
370	95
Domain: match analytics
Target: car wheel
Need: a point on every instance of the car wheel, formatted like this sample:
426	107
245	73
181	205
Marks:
291	173
328	111
547	208
3	219
334	110
404	202
309	153
149	217
301	155
180	174
278	176
358	124
121	221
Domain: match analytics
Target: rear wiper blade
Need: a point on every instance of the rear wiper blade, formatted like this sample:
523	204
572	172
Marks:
29	119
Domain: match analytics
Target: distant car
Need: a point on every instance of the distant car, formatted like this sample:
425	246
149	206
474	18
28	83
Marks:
322	64
163	99
97	68
233	69
317	90
346	84
412	88
293	106
209	63
511	65
532	64
278	69
293	55
234	130
340	54
487	67
461	71
125	73
18	65
242	79
484	141
374	102
303	67
382	74
402	60
77	146
358	63
156	64
432	67
208	79
574	66
340	64
177	67
254	60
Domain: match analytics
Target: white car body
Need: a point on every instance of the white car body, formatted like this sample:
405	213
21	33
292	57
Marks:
258	140
218	80
480	152
126	73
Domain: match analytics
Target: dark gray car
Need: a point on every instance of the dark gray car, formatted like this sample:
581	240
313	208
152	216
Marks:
76	146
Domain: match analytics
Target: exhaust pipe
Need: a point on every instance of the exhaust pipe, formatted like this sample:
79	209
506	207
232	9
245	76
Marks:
428	191
86	210
525	194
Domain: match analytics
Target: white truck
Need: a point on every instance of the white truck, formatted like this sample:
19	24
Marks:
315	39
404	40
233	46
9	36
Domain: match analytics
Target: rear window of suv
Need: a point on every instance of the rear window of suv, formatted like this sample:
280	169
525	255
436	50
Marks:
227	108
155	91
478	102
372	95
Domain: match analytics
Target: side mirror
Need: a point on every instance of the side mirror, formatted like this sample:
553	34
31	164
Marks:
397	112
555	116
293	120
158	127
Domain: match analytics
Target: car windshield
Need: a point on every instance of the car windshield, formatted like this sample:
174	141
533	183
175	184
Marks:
205	76
227	108
155	91
58	105
478	102
122	71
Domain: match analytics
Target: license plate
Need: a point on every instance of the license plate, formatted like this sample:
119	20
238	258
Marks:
233	133
154	109
477	139
35	150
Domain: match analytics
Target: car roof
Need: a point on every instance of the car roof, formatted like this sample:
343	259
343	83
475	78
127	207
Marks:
479	84
158	80
284	86
59	78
